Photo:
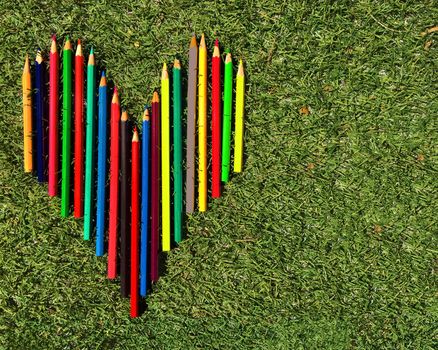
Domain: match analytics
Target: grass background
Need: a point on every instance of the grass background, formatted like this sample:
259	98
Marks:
328	238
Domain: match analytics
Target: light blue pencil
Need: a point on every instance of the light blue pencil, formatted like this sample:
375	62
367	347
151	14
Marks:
101	166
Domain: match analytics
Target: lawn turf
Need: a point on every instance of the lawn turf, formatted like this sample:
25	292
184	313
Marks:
327	240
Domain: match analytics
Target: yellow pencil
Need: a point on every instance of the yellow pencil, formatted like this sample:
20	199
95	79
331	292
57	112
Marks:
238	133
165	159
202	125
27	116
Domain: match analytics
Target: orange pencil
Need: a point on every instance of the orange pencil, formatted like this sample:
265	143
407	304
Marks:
27	116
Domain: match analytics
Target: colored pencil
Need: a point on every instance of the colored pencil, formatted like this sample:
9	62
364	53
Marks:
66	127
79	133
226	132
216	122
238	133
89	146
155	184
191	126
135	215
202	125
165	160
40	72
27	116
53	119
114	187
125	143
101	165
144	203
177	152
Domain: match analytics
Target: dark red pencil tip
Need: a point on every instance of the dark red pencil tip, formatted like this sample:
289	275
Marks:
216	43
54	37
115	90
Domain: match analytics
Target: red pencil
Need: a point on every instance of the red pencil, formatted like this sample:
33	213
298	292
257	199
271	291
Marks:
79	133
135	221
216	122
155	184
114	187
53	119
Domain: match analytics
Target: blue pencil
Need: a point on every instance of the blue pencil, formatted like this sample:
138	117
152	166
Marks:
144	204
39	104
101	166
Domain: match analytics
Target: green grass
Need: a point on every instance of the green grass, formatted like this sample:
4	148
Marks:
327	240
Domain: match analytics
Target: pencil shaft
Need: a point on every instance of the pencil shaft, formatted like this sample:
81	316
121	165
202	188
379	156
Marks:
66	130
191	129
226	133
53	124
101	170
27	119
155	188
144	208
216	127
89	151
125	143
40	117
135	215
177	154
165	163
238	135
202	129
114	191
79	137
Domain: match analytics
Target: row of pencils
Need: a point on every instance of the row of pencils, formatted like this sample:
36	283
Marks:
136	168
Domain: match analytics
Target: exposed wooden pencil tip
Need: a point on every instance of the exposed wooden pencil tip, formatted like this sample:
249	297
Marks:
79	48
240	71
26	68
146	114
115	96
155	97
202	43
193	42
216	51
164	74
67	45
39	57
103	79
228	59
135	135
53	45
176	64
124	115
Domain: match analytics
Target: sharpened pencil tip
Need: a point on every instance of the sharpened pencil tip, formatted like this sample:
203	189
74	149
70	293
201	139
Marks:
115	98
146	113
54	37
202	43
135	135
124	115
39	57
193	42
216	42
155	97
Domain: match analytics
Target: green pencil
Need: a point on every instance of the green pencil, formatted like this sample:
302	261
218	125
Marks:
228	100
66	127
177	151
89	145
